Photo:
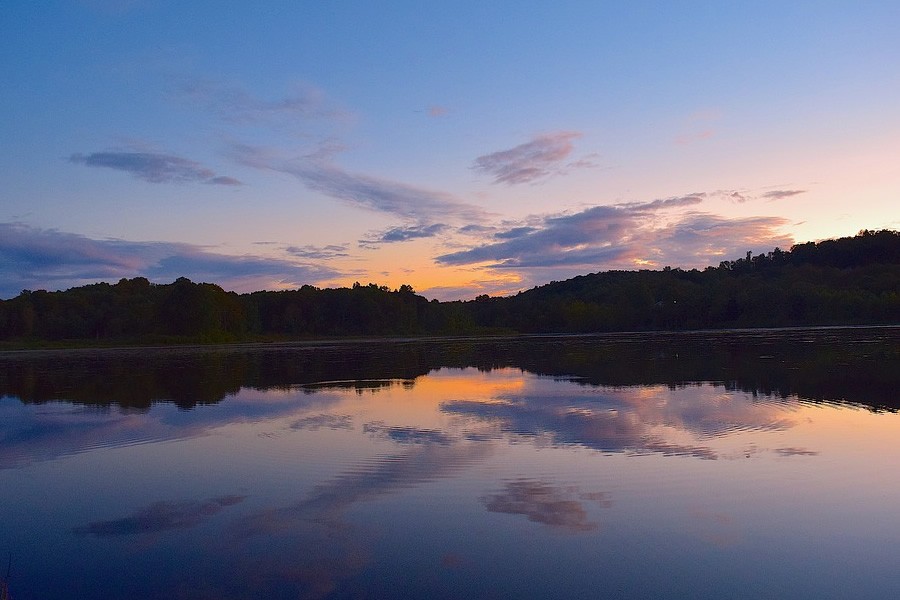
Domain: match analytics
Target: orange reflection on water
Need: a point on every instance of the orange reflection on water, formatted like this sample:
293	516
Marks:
420	403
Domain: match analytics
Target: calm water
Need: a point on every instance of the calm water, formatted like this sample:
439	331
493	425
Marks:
729	465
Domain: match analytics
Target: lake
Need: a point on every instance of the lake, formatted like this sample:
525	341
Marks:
737	464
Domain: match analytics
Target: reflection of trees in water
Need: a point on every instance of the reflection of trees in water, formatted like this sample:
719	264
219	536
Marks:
854	365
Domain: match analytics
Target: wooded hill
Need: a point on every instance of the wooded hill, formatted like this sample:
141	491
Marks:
847	281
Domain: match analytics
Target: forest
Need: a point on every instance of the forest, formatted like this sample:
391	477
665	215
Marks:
846	281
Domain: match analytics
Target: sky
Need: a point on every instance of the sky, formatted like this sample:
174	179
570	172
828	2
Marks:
463	148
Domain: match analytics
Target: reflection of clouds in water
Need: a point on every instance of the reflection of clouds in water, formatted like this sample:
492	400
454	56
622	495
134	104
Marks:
634	420
160	516
407	435
371	479
795	452
34	433
326	421
317	549
541	502
607	431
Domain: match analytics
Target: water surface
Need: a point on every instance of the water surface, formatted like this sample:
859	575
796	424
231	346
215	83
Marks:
733	464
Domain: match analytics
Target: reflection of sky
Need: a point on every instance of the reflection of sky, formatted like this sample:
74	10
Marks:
467	482
636	420
46	431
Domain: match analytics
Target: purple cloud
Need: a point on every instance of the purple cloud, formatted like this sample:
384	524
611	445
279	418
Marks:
741	196
32	258
663	203
781	194
537	159
405	234
154	167
318	252
423	207
622	237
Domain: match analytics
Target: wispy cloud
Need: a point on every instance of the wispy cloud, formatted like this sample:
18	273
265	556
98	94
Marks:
781	194
663	203
154	167
437	111
534	160
405	233
741	196
311	252
793	451
422	207
32	258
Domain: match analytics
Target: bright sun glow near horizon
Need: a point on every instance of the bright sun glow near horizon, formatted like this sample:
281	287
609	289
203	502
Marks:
463	148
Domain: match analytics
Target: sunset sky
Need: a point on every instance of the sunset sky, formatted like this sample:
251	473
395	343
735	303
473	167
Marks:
460	147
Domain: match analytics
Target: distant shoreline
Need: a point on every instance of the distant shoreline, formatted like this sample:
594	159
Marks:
85	346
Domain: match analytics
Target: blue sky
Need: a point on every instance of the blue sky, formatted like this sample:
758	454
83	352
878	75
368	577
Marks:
463	148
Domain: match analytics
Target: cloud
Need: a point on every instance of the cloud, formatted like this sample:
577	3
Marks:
737	196
537	159
222	180
475	229
781	194
420	206
741	196
515	232
158	517
406	233
623	237
663	203
594	235
154	167
32	258
437	111
402	200
318	252
544	503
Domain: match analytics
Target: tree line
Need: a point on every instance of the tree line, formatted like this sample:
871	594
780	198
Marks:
846	281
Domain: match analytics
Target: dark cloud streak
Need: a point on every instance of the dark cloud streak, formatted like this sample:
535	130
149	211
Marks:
154	167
